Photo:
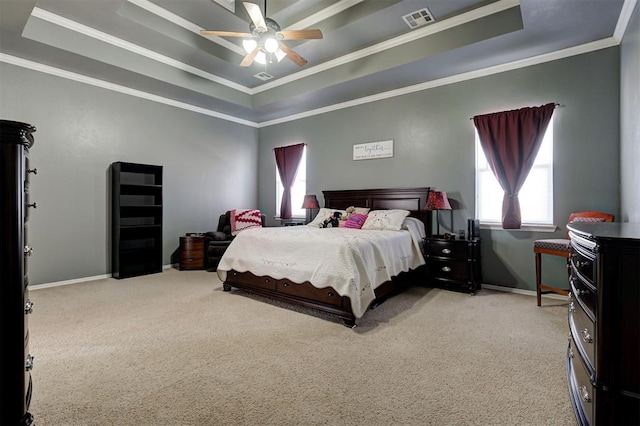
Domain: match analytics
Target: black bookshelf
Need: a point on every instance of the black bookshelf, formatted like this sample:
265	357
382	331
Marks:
136	219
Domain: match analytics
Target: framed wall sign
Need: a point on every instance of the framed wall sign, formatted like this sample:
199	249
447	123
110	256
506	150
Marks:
371	150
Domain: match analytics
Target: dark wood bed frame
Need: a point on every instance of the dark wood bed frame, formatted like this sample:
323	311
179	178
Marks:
327	299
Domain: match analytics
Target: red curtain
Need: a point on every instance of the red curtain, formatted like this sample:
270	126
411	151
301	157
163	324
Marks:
511	140
287	161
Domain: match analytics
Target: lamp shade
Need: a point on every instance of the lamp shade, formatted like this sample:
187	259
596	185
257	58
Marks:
310	202
437	200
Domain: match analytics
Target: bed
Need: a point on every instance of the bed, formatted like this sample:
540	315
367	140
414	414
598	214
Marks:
350	273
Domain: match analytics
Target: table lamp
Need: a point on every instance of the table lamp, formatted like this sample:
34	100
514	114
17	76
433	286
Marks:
310	203
437	200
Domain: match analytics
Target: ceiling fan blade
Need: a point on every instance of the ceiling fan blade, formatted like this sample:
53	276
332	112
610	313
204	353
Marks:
297	59
255	14
226	34
300	34
248	60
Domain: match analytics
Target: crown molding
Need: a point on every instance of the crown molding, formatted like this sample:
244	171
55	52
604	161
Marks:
624	18
187	25
326	13
24	63
431	29
134	48
436	27
548	57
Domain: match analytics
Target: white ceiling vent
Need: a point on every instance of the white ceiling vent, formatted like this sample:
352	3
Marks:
264	76
418	18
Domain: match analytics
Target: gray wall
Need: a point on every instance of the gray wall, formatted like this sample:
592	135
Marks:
434	146
209	167
630	120
210	164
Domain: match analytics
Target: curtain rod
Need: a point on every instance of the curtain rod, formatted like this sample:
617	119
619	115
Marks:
556	104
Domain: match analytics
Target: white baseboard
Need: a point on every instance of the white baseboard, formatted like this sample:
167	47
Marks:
100	277
77	280
521	291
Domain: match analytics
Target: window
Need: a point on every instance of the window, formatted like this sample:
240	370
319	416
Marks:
536	195
298	190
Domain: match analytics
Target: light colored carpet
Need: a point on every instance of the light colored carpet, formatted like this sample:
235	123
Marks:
174	349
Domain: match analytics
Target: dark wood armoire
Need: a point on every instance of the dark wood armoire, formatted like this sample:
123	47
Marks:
15	306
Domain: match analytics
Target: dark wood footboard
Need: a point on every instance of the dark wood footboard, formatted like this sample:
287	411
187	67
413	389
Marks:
306	295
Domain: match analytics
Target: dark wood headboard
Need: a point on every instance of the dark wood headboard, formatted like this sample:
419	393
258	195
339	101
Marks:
412	199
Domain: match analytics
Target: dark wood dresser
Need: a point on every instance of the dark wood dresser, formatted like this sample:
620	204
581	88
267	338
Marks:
15	360
603	358
453	264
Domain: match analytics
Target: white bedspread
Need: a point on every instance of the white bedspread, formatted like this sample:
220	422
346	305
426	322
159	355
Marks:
352	261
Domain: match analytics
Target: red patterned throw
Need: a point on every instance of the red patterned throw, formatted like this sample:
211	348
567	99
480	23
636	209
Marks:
242	219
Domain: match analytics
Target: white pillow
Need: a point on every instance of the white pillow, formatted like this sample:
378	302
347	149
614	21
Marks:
390	220
362	210
323	215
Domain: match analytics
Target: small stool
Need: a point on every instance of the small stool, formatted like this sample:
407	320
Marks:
554	247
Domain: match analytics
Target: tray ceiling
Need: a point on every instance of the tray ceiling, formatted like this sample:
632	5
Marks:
153	48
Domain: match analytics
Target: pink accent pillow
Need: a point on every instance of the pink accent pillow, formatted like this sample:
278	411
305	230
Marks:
355	220
242	219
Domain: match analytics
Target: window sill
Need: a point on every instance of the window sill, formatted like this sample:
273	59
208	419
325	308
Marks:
293	219
525	227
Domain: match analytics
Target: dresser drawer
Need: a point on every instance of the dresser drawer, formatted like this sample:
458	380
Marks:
449	249
581	389
449	270
190	256
584	294
583	265
582	332
307	290
253	280
192	244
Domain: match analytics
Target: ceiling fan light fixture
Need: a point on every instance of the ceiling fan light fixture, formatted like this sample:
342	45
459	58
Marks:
261	58
249	44
271	45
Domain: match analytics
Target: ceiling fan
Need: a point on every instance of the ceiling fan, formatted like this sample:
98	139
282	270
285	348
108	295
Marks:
264	41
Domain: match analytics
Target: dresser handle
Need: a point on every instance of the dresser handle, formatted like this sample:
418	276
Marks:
28	307
34	205
586	337
446	269
331	294
446	251
285	284
570	352
582	263
584	394
572	307
34	171
28	365
28	250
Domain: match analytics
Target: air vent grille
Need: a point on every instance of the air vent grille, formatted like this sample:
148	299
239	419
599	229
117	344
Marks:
418	18
264	76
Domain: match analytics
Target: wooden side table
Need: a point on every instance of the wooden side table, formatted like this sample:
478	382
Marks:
192	252
453	263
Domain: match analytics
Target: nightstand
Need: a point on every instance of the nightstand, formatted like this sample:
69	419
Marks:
453	264
192	254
